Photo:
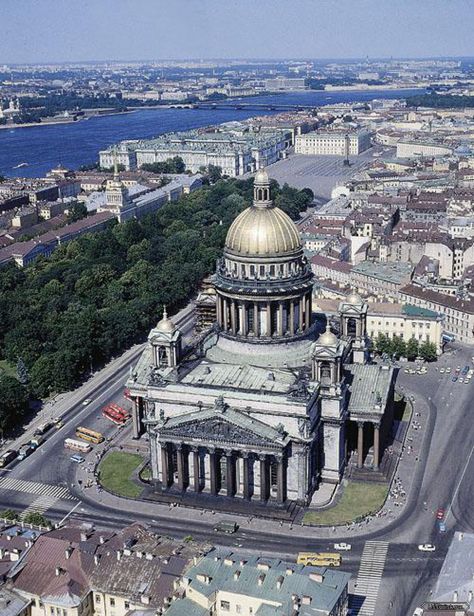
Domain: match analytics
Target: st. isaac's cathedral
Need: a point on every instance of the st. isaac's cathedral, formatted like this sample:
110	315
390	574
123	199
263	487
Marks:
261	409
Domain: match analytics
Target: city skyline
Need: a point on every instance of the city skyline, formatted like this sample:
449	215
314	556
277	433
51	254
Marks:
271	29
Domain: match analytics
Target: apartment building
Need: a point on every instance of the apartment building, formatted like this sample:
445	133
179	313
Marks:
226	584
73	571
403	320
458	313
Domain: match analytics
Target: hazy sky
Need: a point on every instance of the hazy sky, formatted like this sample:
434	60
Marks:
68	30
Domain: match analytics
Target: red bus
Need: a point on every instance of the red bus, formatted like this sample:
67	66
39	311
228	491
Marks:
115	417
116	414
120	410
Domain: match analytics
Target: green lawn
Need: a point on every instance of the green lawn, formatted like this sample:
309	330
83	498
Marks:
115	471
358	499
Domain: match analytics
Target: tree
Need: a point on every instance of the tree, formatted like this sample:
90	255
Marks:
382	344
428	351
412	350
215	173
9	514
22	372
77	212
14	402
397	347
37	519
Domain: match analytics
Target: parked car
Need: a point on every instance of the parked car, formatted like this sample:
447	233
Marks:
343	547
226	527
25	451
78	459
36	441
44	427
426	547
7	457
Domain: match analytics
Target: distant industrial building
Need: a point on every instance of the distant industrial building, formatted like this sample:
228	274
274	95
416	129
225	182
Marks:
333	143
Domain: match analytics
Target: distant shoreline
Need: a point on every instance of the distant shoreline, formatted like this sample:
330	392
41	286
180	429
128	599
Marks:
133	109
67	121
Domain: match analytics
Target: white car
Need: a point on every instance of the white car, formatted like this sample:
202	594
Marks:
343	547
426	547
86	402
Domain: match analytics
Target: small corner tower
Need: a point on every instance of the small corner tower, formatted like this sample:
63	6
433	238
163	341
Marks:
327	354
165	340
353	319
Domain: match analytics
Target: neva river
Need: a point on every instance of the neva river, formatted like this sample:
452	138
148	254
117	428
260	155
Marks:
78	143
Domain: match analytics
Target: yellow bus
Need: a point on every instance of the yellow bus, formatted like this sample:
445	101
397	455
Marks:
89	435
319	559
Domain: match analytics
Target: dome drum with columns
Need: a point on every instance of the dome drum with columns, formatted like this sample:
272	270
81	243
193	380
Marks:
263	280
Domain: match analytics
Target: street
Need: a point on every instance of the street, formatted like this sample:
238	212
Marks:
385	549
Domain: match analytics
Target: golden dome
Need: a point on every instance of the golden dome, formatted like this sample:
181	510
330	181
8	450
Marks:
263	232
328	338
261	177
166	326
354	299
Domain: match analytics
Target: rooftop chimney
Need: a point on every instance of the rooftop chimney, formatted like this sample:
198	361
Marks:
280	579
68	552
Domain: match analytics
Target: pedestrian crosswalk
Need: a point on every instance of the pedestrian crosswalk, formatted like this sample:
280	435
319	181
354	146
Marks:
39	505
369	577
33	487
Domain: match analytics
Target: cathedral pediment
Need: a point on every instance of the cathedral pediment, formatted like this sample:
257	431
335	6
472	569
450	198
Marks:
349	309
222	427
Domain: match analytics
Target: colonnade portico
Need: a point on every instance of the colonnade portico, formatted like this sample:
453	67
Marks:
199	469
257	319
360	443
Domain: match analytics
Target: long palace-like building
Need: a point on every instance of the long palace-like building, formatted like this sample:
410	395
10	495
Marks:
264	407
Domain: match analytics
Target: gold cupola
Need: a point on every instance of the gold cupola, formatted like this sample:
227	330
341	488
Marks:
263	280
262	230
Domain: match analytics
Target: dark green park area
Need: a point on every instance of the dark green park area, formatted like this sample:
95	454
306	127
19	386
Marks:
65	316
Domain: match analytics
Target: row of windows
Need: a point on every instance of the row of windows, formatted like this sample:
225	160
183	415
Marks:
112	601
225	607
374	334
263	271
402	324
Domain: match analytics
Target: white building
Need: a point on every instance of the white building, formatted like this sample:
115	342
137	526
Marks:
409	149
333	143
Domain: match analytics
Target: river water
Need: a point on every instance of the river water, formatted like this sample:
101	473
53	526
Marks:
78	143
